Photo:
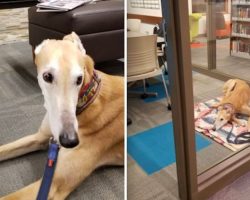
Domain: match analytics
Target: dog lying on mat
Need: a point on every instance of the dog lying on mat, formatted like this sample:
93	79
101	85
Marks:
236	99
85	115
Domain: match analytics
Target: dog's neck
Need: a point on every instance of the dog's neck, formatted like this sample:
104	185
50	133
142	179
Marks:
88	93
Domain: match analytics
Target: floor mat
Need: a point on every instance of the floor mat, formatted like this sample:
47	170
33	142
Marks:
154	149
204	122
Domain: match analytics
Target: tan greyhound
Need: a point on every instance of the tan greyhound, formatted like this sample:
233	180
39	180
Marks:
92	138
236	99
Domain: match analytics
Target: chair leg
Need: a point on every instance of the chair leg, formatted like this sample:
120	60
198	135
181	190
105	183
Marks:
166	90
165	65
129	121
147	94
144	86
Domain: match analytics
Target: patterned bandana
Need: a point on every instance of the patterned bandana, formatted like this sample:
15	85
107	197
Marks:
88	93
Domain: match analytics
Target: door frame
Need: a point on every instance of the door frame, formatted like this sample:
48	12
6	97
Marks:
191	186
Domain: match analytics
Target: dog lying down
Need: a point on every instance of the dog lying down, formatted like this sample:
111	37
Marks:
85	114
236	99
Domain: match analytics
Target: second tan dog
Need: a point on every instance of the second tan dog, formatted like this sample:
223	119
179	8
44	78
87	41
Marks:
235	100
90	139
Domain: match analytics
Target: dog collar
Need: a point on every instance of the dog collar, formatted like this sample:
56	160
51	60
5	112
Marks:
88	93
228	106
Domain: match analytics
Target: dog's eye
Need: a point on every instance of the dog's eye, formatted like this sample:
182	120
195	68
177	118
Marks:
221	119
48	77
79	80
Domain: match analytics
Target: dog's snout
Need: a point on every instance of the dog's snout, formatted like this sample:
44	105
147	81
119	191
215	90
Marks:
68	140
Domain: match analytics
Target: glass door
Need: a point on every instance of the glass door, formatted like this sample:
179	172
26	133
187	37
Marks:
209	154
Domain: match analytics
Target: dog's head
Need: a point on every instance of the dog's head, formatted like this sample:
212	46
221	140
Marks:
224	115
63	68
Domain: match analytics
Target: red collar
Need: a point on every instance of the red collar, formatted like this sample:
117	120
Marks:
88	93
229	106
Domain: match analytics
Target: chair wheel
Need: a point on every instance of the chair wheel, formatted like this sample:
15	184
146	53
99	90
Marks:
144	96
169	107
129	121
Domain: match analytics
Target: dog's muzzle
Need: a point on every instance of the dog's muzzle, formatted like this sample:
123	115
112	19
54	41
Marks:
68	140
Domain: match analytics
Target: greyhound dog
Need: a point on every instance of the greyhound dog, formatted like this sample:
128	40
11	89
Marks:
85	115
236	99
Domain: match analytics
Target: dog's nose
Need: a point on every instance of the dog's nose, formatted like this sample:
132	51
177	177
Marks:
68	142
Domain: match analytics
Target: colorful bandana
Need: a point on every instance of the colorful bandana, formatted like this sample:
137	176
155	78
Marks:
88	93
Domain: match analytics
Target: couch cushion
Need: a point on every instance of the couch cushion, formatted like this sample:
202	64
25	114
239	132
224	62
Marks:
90	18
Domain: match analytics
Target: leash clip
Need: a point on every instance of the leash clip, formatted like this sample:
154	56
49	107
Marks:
53	151
52	141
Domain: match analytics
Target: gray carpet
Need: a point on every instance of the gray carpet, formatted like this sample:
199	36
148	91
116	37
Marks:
21	112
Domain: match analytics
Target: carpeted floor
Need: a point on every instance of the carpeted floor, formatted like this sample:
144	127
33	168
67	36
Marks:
21	112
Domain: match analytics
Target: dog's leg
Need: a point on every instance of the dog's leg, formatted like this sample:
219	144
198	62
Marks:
248	124
73	166
27	144
114	156
245	110
237	121
66	179
27	193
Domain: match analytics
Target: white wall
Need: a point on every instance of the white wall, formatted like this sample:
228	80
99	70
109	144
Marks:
189	6
142	11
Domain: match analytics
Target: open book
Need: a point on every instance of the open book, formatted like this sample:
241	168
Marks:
59	5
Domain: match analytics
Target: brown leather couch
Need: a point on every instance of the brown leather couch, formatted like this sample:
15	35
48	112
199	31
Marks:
100	27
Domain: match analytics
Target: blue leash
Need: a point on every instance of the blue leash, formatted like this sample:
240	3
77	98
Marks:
49	171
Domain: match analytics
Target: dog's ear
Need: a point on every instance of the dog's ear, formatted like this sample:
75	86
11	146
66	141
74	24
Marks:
88	68
73	37
229	86
40	46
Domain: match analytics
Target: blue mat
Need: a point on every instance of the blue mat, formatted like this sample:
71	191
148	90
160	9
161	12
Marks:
154	149
157	87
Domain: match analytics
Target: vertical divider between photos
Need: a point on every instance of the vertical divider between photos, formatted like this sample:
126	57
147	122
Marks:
175	13
125	104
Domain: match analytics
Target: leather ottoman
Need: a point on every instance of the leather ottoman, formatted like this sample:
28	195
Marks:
100	27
